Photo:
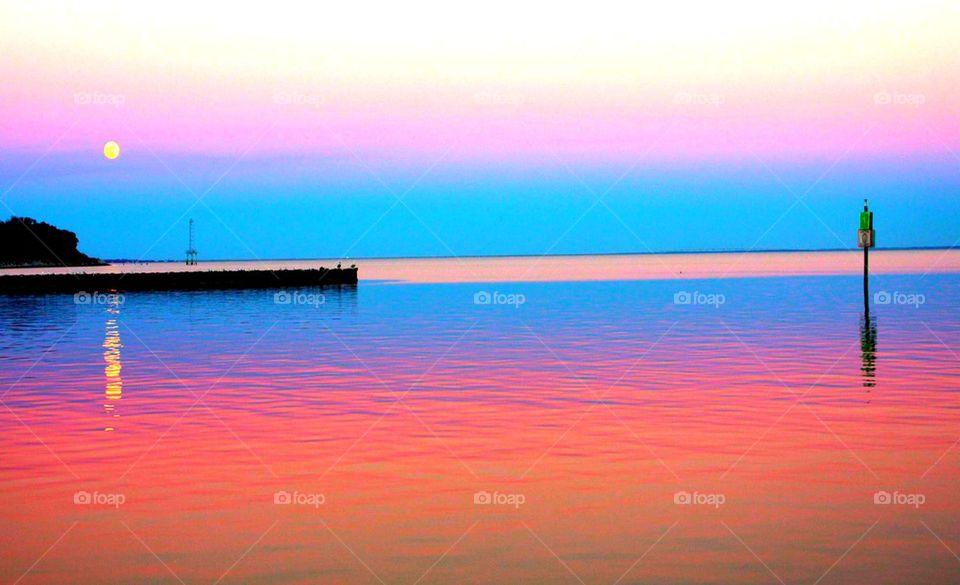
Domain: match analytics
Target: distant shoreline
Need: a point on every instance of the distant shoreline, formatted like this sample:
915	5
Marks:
571	255
51	265
683	266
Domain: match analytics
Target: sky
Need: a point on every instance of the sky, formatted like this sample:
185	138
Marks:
306	130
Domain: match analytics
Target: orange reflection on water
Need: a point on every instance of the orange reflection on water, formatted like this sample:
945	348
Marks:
599	403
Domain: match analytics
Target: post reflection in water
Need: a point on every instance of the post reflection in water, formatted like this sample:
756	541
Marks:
113	389
868	350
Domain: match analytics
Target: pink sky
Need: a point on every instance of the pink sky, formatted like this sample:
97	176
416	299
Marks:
815	83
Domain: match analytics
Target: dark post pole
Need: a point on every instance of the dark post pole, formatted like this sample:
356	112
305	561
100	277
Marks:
866	281
865	239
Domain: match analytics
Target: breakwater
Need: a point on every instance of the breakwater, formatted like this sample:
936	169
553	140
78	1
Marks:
180	280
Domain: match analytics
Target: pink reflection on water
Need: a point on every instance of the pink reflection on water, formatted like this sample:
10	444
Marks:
598	432
587	268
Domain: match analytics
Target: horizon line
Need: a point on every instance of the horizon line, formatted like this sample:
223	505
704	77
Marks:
575	254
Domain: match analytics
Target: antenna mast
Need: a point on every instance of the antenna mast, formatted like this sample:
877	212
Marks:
191	251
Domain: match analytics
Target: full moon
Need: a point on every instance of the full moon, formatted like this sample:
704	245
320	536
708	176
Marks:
111	150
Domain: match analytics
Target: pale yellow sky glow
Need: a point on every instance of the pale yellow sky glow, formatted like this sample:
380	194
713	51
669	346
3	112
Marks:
407	77
504	42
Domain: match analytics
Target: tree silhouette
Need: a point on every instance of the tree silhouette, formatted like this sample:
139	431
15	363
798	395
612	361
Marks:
26	241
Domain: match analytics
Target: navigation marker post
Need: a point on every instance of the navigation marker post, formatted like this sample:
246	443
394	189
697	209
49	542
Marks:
866	240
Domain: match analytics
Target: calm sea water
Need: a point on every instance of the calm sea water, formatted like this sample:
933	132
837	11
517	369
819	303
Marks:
519	421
